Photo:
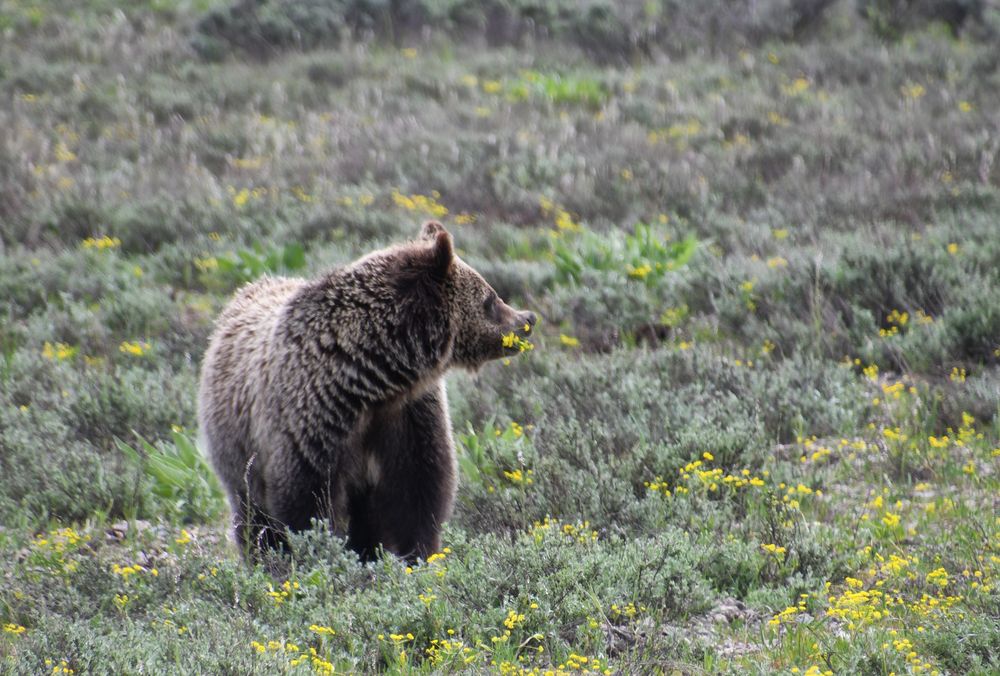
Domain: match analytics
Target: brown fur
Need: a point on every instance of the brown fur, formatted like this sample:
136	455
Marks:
324	399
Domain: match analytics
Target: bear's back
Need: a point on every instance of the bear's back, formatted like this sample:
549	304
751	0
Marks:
233	368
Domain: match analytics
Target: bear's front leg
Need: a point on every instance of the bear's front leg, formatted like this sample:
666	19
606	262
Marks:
412	478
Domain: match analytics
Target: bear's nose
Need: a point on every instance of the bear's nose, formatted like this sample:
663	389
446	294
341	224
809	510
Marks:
529	318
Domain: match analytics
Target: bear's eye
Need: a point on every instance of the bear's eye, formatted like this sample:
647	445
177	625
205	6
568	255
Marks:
489	303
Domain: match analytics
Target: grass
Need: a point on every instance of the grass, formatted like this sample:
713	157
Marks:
758	431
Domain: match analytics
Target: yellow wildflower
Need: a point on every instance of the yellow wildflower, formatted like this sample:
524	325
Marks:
102	242
134	348
58	351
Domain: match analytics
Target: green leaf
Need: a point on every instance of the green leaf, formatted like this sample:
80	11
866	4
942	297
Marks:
130	452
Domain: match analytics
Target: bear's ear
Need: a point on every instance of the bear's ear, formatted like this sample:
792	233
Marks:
430	229
425	269
442	251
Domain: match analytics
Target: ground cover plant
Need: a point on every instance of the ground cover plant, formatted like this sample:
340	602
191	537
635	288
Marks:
758	429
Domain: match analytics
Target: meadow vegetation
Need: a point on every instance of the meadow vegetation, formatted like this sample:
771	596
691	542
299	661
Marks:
758	431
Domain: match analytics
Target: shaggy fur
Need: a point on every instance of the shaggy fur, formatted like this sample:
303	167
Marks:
324	398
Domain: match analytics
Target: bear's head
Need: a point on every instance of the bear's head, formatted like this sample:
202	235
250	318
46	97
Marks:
483	327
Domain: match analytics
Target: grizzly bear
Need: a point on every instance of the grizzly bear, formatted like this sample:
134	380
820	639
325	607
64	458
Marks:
324	399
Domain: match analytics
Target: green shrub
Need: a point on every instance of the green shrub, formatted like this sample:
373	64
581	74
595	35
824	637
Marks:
260	28
180	476
249	264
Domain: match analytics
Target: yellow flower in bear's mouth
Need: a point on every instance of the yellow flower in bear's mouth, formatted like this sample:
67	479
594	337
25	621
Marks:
512	340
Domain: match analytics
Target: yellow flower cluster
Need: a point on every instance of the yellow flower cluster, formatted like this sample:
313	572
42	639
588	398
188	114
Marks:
658	485
813	670
439	556
895	434
584	664
213	571
295	654
444	651
896	565
241	197
579	532
889	519
136	348
574	664
711	479
102	242
777	551
55	549
434	563
629	610
788	614
857	607
518	477
673	316
679	132
563	220
58	351
938	576
286	591
274	646
885	600
898	318
515	428
640	272
427	204
170	624
513	619
135	569
797	86
61	668
512	340
61	539
896	390
15	629
915	662
818	455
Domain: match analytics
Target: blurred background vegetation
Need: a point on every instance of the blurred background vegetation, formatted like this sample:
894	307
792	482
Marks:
763	231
